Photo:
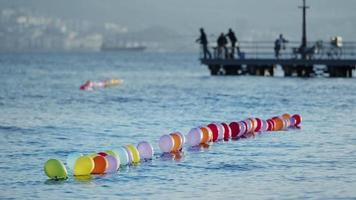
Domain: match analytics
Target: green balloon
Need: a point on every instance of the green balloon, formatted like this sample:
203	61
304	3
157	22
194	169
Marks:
55	169
109	152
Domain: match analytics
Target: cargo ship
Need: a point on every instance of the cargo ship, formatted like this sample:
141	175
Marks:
130	47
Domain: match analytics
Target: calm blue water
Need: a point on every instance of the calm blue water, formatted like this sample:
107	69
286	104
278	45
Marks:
44	115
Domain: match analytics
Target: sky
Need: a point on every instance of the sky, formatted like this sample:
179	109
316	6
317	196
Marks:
251	19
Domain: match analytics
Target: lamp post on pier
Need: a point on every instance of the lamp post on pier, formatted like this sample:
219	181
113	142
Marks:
303	47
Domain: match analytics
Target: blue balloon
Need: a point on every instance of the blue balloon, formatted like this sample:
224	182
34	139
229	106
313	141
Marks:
72	158
122	155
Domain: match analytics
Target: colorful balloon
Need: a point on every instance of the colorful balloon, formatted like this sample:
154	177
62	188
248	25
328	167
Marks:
248	124
103	154
55	169
83	166
214	129
235	129
270	125
258	124
178	141
286	124
286	116
182	137
113	164
298	119
135	153
100	165
278	122
292	122
110	152
145	149
194	137
264	126
220	131
71	158
130	155
166	143
122	155
205	134
227	131
243	128
253	123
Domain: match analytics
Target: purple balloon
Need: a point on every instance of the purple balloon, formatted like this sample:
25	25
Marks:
166	143
145	149
113	164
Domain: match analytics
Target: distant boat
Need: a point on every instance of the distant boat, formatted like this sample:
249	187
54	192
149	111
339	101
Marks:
129	48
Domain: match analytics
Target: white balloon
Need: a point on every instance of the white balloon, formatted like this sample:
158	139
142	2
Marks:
264	125
194	137
220	131
242	129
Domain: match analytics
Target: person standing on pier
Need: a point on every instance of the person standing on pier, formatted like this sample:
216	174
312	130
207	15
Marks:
233	40
222	41
204	43
278	44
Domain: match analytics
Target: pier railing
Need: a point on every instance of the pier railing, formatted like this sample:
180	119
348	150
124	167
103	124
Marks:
290	50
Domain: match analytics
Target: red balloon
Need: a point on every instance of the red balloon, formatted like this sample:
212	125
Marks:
259	124
215	131
100	165
103	154
235	129
298	119
227	131
270	125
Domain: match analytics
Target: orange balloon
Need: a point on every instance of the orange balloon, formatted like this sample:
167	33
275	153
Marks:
100	165
286	116
210	133
177	141
254	124
206	135
279	123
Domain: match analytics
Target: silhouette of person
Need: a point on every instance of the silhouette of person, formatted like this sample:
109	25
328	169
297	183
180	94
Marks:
204	43
278	44
233	40
222	41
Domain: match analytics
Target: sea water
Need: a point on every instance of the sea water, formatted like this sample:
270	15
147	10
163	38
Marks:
44	115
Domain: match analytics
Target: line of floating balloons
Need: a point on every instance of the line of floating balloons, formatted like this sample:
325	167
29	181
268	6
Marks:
110	161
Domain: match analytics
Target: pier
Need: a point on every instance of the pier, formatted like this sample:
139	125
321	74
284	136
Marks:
257	58
333	58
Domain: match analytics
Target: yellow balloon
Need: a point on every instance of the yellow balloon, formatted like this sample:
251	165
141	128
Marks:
135	153
83	166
